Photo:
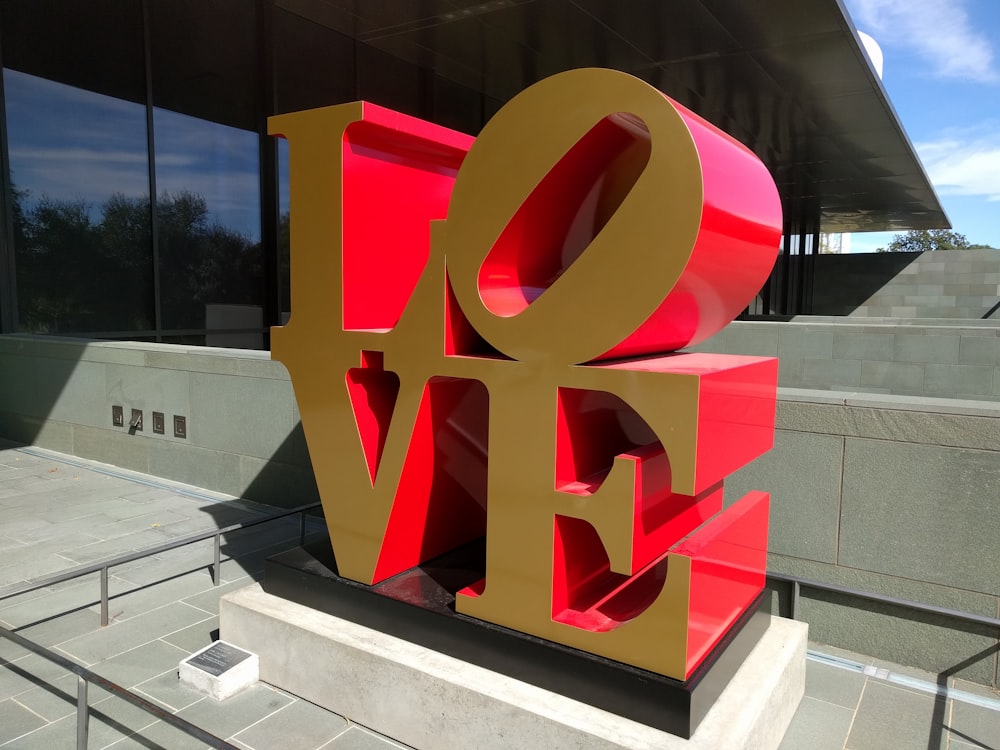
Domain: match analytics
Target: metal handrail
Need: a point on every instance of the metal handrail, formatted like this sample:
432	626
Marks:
85	676
798	582
105	565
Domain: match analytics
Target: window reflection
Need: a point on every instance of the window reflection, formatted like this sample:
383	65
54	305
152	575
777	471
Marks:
208	228
79	168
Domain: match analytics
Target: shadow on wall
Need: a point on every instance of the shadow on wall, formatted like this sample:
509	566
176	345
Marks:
31	389
845	283
287	479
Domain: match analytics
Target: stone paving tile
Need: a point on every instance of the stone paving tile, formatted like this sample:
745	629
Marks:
834	685
62	531
165	520
975	725
26	674
102	643
140	664
135	601
818	725
226	718
8	542
357	738
208	600
160	736
110	721
16	720
50	632
15	524
959	745
57	697
24	557
301	724
56	601
152	570
110	548
195	637
167	690
897	718
54	699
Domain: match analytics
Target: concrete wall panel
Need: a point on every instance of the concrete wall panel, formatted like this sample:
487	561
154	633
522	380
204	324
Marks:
922	511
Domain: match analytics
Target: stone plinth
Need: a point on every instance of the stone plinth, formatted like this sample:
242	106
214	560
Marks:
432	701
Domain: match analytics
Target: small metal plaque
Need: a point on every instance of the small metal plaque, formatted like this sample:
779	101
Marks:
218	658
117	416
180	427
158	422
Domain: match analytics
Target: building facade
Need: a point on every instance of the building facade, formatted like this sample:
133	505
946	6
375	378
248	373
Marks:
143	200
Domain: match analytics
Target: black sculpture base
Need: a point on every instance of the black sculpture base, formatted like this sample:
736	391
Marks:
418	606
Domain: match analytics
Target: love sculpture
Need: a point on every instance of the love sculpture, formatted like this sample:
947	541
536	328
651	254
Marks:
484	343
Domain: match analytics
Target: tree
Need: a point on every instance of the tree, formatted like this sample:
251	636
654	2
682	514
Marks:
925	240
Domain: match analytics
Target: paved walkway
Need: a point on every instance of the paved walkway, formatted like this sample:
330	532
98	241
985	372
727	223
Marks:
57	512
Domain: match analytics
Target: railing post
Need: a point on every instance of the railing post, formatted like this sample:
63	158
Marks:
104	596
302	528
795	599
217	566
82	714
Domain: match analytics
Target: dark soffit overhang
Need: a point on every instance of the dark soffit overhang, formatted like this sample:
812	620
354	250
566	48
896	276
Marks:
788	78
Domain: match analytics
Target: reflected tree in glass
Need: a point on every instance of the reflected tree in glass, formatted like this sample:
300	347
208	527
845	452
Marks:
82	244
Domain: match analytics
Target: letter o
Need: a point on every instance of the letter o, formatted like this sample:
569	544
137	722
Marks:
595	218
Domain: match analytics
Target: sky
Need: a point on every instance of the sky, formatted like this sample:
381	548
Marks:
942	73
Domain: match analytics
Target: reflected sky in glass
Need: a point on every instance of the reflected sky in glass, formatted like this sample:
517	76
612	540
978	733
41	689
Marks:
218	162
70	144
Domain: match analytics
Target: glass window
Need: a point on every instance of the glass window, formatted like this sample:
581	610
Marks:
208	225
207	113
79	169
74	81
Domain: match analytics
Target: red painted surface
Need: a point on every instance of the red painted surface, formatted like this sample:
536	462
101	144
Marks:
441	497
728	564
398	174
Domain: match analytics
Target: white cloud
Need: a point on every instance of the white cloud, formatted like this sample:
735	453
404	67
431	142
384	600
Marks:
70	154
939	31
964	162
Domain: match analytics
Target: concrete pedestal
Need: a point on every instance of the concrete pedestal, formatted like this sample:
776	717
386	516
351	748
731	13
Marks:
435	702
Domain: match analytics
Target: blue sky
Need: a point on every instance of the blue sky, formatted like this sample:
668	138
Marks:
942	74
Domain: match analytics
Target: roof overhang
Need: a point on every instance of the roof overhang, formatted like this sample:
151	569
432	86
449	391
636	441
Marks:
789	78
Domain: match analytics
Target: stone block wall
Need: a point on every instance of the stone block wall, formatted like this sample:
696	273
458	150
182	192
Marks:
243	435
955	284
895	495
919	357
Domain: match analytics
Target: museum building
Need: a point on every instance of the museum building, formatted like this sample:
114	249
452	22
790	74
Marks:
143	200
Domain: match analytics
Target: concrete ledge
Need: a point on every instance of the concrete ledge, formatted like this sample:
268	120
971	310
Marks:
435	702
